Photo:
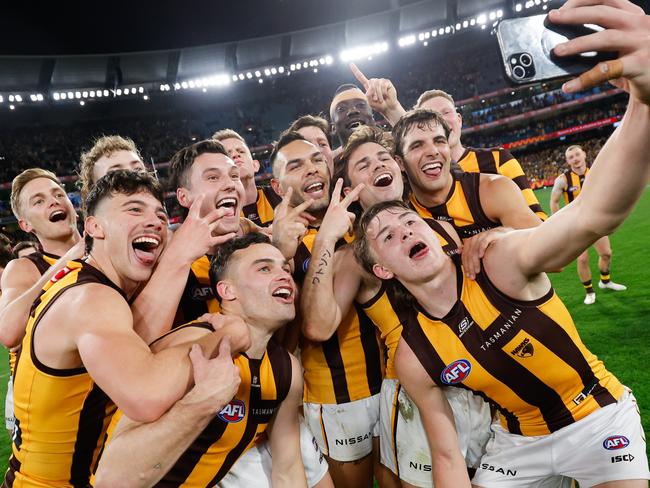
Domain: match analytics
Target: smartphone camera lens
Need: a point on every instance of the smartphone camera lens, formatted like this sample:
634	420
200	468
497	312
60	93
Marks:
519	72
525	60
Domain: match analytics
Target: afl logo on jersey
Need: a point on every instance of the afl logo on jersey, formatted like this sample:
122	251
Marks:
456	372
234	412
615	442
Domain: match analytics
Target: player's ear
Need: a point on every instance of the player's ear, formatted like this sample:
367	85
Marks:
183	197
256	165
93	227
346	190
381	272
275	184
226	290
24	226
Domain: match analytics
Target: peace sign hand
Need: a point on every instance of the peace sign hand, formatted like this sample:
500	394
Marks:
290	225
338	220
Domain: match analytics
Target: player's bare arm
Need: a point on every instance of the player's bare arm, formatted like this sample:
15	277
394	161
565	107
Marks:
502	201
287	470
621	169
142	384
21	285
140	454
447	462
559	187
333	277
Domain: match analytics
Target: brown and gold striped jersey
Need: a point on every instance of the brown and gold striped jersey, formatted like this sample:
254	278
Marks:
574	183
525	357
462	207
61	415
348	366
383	309
262	210
500	161
264	385
198	296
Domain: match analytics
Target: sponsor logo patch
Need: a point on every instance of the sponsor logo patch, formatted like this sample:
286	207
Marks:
625	457
615	442
234	412
524	350
456	372
464	326
305	264
202	293
499	469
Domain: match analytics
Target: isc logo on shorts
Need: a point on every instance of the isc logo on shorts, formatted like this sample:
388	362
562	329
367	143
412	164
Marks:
616	442
234	412
456	372
305	264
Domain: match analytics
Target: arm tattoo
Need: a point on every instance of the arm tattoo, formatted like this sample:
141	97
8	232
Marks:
323	262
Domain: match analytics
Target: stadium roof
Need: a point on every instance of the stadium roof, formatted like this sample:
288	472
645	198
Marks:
138	42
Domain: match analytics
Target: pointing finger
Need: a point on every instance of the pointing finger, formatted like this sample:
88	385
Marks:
358	74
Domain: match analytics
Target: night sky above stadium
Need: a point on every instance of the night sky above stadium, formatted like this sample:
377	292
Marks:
75	27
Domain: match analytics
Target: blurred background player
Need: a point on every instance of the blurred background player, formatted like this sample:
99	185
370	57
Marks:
569	184
259	202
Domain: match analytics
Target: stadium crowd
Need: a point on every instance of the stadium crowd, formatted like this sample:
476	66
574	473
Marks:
379	311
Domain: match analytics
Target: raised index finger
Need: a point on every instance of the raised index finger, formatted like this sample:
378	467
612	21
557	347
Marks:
353	195
359	75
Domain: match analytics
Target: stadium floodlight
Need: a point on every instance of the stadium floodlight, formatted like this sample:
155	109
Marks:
406	41
39	97
63	96
260	81
321	61
77	94
258	74
234	78
305	64
458	26
421	36
146	97
292	67
448	30
55	95
184	85
315	70
241	76
118	92
12	107
91	94
274	71
106	93
366	51
249	75
19	98
441	31
492	15
190	84
280	70
1	99
11	98
204	90
538	2
518	7
267	72
472	21
140	89
529	4
434	33
82	103
481	19
32	97
329	59
84	94
70	95
465	24
99	93
499	13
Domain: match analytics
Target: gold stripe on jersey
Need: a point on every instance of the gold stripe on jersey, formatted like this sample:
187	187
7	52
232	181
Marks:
381	309
198	296
262	210
239	425
42	261
348	366
462	207
524	357
574	183
61	414
500	161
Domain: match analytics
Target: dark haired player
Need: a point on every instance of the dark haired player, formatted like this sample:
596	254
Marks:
193	445
80	352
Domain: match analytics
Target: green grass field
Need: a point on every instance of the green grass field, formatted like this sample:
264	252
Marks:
616	327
